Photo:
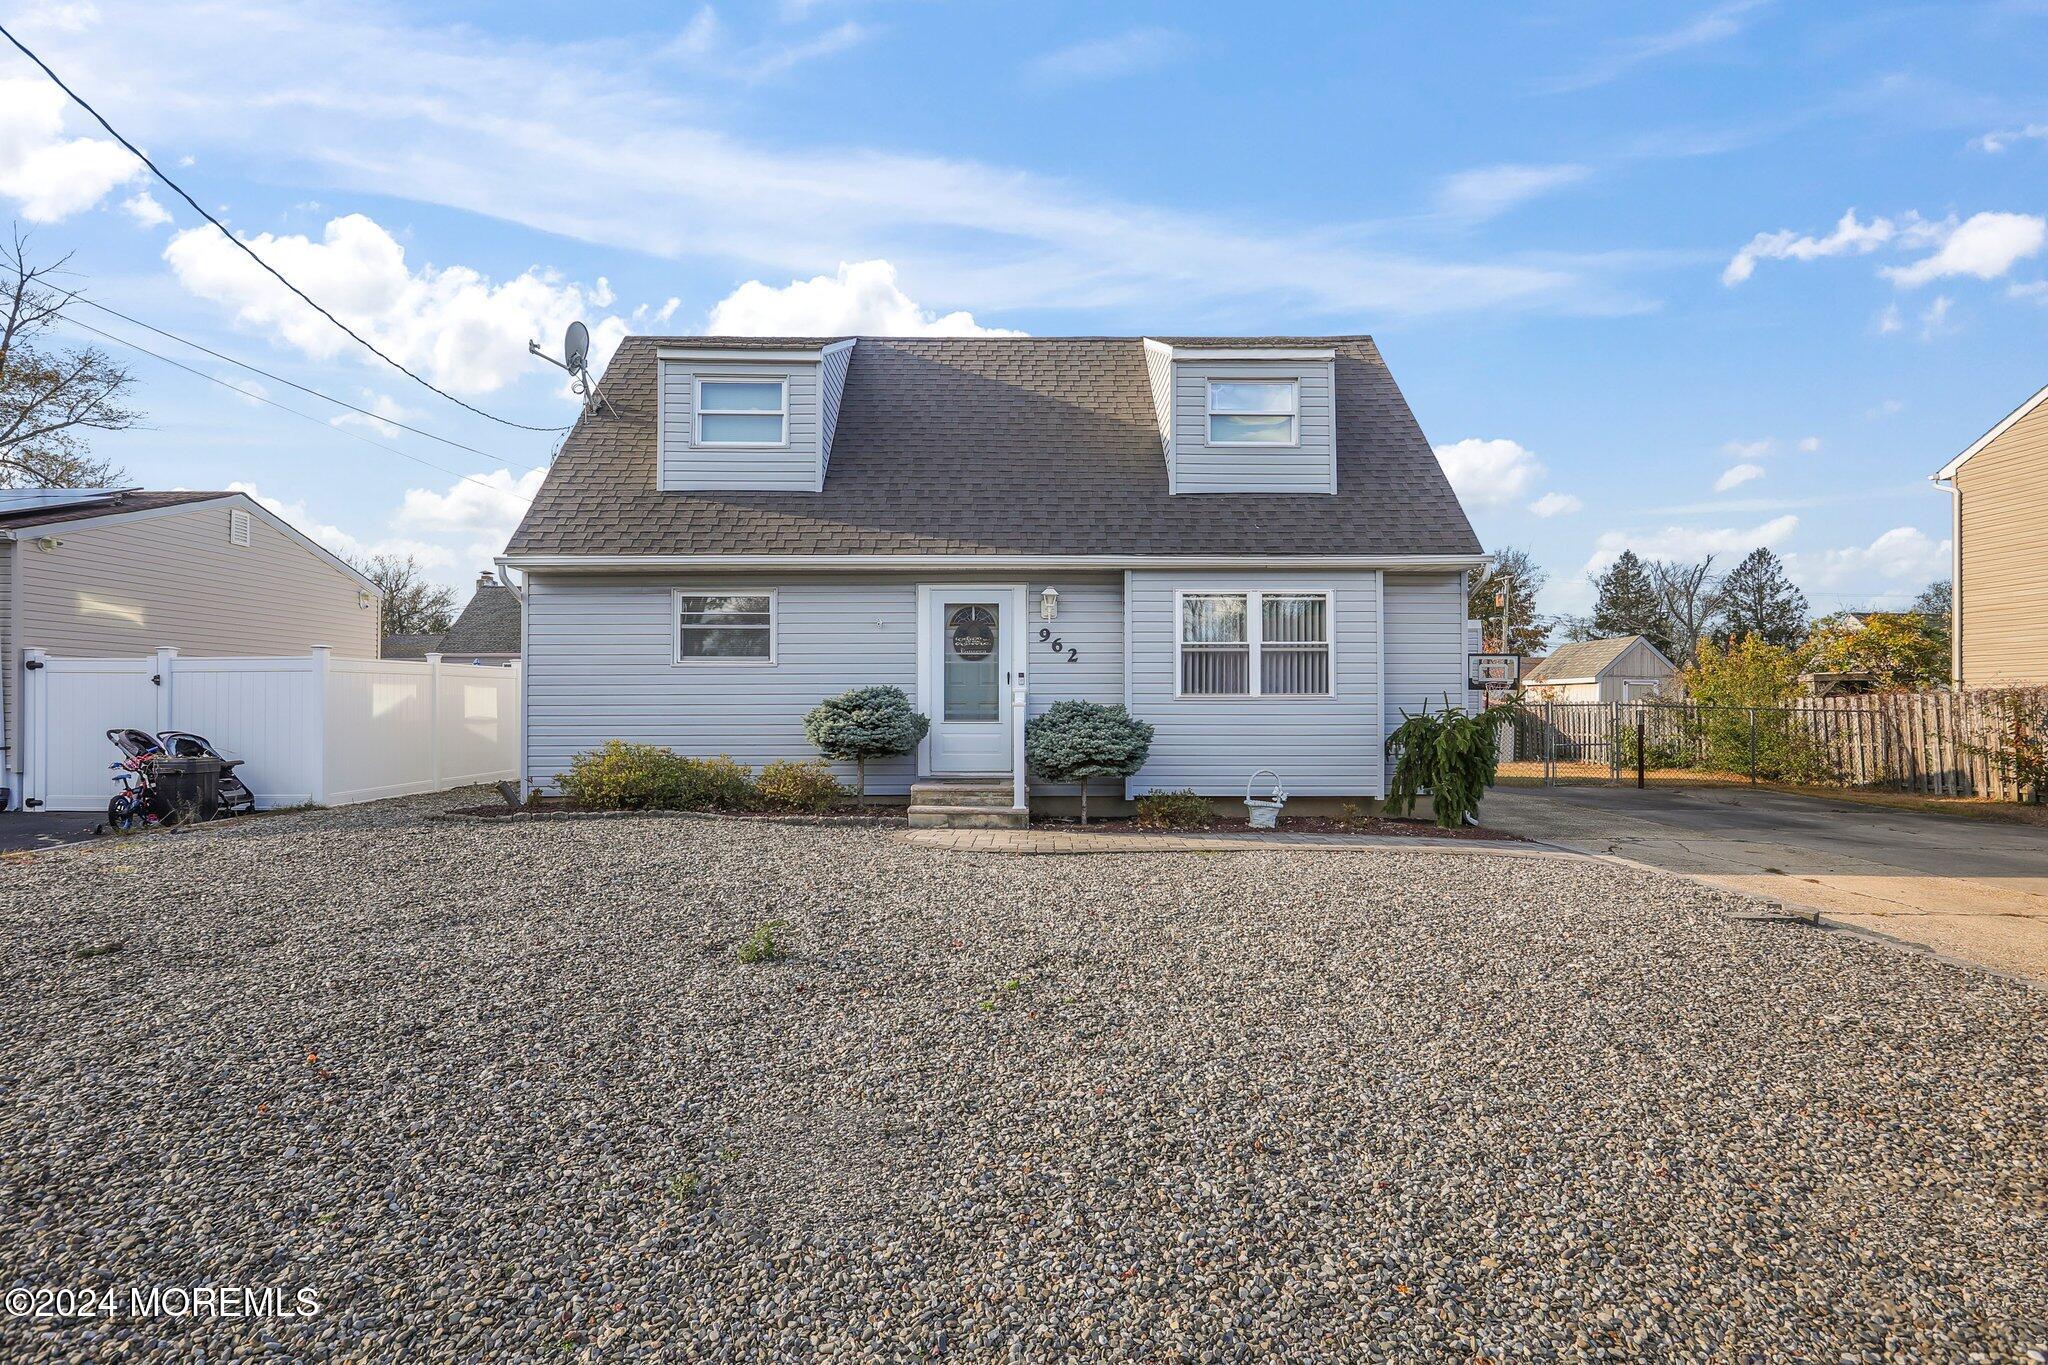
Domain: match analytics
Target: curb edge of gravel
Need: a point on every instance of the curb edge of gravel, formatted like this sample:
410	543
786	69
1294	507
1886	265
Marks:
564	816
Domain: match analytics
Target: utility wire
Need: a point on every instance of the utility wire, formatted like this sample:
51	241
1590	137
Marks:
248	251
289	383
304	416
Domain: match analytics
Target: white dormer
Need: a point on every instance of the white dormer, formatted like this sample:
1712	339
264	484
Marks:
734	418
1245	419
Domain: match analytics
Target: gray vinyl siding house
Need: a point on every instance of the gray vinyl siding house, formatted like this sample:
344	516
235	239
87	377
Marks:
121	573
1247	541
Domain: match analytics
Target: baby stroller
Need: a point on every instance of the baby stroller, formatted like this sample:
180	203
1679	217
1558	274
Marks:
138	803
235	796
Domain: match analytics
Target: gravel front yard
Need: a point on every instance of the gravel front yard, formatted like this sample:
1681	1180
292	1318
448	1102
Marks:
505	1091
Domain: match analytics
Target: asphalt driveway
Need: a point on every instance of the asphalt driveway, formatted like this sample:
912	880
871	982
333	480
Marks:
1974	889
24	830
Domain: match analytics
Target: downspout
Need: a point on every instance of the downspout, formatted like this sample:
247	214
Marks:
1955	580
10	742
519	590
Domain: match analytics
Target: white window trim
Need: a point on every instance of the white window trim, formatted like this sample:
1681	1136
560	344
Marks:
675	625
1209	416
697	382
1254	628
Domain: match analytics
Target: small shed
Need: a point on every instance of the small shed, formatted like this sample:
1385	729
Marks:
1622	668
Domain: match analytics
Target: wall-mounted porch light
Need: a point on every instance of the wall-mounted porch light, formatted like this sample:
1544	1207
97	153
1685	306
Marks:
1049	604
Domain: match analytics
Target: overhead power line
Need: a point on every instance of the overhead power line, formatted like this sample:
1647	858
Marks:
248	251
303	416
294	384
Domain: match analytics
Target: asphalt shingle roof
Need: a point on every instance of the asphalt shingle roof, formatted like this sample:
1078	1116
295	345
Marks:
1040	445
415	646
93	505
1582	660
488	625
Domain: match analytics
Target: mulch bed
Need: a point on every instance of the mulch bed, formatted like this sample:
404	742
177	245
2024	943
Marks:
1295	824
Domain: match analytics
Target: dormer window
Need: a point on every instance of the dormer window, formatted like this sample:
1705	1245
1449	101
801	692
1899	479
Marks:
742	412
1254	412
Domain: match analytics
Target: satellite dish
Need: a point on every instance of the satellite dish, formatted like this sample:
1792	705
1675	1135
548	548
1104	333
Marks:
576	346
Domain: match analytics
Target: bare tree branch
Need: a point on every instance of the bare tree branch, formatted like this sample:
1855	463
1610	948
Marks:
51	395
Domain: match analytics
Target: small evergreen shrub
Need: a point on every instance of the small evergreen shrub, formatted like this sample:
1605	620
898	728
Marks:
1450	754
622	776
865	723
1078	740
1182	809
810	786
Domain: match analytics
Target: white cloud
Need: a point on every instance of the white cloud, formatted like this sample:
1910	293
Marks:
1934	318
1737	475
1749	450
1489	473
383	405
1849	236
1556	505
1722	22
451	323
705	47
862	299
438	559
49	175
1809	444
1889	321
1984	246
1127	54
1691	542
2001	139
253	393
484	507
144	209
1486	191
1890	407
2033	291
598	142
1903	556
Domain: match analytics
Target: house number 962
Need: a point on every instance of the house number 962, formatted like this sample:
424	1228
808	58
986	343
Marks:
1057	645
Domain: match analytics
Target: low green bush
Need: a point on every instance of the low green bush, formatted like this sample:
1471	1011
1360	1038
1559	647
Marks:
786	785
1181	809
761	947
622	776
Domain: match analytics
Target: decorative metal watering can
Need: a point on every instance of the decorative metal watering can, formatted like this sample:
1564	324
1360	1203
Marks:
1265	810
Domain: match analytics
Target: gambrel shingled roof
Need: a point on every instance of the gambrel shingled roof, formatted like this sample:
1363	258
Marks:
1024	445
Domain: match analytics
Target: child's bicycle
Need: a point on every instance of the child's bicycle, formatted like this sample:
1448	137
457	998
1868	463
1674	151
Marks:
139	804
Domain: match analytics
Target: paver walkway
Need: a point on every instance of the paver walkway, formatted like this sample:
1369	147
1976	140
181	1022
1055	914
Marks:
1067	840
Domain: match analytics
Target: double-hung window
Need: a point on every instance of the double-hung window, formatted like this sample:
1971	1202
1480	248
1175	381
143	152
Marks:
1254	412
742	412
1255	644
714	628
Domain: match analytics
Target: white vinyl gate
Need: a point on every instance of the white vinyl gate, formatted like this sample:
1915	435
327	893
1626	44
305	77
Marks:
309	728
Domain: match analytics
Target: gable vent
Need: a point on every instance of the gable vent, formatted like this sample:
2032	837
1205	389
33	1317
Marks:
238	526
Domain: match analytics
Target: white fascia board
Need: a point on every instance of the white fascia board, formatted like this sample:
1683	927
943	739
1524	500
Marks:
974	563
733	355
1252	352
1948	471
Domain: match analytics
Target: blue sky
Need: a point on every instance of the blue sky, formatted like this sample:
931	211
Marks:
1686	278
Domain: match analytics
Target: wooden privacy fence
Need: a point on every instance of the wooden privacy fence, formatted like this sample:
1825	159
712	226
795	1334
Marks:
1939	743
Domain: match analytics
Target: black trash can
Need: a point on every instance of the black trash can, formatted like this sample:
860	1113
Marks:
189	787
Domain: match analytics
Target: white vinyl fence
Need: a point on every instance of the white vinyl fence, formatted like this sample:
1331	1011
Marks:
310	728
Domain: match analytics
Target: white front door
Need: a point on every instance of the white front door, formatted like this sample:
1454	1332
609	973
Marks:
968	672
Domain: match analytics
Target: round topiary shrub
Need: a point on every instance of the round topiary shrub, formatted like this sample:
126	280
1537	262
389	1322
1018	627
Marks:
1078	740
865	723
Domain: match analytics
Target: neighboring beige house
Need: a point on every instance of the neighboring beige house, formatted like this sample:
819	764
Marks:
1624	668
106	573
2000	488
